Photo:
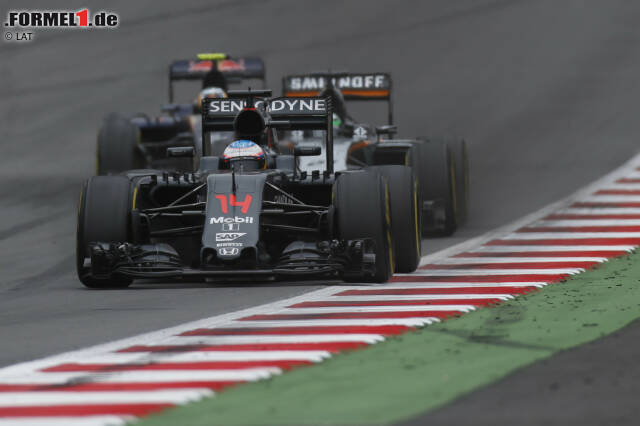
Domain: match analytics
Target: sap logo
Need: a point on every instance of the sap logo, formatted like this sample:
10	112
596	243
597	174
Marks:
236	219
230	227
229	236
228	251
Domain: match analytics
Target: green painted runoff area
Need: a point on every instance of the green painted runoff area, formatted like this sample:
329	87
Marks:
419	371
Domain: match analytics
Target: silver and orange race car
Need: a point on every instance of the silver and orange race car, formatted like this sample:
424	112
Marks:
251	212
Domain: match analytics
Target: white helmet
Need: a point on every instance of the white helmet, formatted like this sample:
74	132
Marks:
209	93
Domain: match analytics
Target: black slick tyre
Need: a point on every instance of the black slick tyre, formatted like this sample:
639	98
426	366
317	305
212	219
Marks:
437	179
117	149
459	149
405	216
361	201
103	216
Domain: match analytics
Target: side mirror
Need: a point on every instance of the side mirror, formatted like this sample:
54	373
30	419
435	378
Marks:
280	124
180	152
185	138
176	108
170	108
307	151
388	130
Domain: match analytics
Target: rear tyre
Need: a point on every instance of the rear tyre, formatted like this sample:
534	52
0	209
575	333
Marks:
361	200
405	216
117	149
459	148
437	178
103	216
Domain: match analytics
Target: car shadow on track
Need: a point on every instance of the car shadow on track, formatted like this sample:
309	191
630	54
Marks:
237	283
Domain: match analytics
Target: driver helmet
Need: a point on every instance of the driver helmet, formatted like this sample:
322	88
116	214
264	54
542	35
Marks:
209	92
244	153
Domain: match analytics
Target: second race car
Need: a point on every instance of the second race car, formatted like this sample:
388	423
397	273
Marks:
440	164
141	141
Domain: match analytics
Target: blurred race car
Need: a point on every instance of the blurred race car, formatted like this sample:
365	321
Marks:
441	164
250	212
141	141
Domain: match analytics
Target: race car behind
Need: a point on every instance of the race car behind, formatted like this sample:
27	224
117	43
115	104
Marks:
141	141
441	164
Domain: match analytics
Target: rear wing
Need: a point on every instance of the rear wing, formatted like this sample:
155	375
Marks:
353	86
234	70
291	113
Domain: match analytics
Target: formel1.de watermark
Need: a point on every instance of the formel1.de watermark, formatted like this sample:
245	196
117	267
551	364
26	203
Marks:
21	25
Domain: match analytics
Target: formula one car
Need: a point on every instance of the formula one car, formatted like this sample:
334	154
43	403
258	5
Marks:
141	141
250	212
441	164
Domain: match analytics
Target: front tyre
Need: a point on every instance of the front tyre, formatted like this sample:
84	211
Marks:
103	216
361	200
405	215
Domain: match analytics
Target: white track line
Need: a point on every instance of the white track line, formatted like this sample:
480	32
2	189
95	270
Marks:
66	421
143	358
611	199
598	210
260	339
390	309
457	285
178	396
518	249
144	376
584	222
409	322
626	185
510	259
568	235
631	174
464	272
417	297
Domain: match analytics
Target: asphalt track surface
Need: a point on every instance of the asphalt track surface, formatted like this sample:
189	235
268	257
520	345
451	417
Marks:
545	92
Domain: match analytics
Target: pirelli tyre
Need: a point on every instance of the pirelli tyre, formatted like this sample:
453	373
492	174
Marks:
460	155
117	149
405	215
437	179
362	205
103	216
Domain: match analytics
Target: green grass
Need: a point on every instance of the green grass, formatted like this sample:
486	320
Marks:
419	371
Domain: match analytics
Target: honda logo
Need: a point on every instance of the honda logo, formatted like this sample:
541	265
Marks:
225	251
